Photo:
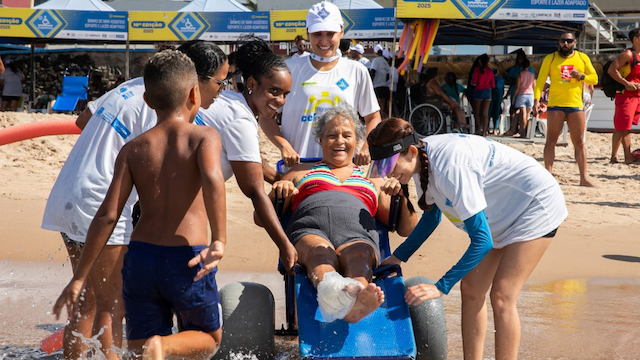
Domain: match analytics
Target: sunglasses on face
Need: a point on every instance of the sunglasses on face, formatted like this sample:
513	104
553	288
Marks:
222	83
567	41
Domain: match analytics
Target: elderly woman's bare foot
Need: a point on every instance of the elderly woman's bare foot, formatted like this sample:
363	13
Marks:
369	299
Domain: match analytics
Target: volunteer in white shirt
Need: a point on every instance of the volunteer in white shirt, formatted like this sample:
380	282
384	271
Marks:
322	80
268	83
379	70
505	200
108	124
357	52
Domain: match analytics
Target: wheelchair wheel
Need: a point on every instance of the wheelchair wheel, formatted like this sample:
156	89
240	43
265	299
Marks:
426	119
429	325
248	312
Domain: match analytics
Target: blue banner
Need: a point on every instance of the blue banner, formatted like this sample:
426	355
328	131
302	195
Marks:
370	23
227	26
80	25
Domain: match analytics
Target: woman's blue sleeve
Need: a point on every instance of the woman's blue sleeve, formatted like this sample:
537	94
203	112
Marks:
428	222
481	244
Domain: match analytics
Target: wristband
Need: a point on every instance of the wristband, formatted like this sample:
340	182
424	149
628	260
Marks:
582	77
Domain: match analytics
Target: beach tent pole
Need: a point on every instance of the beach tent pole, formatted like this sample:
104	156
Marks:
126	60
393	57
32	64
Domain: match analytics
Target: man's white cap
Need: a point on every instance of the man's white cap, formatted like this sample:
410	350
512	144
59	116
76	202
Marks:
386	54
324	16
377	48
357	48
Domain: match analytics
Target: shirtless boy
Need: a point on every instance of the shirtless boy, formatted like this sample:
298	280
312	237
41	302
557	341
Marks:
170	266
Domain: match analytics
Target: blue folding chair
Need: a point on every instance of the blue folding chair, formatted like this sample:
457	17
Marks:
393	331
74	90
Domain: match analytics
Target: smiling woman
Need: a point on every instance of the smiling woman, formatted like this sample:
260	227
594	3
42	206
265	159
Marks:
268	82
338	244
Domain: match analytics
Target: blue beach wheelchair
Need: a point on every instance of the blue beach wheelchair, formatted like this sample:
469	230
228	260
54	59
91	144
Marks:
393	331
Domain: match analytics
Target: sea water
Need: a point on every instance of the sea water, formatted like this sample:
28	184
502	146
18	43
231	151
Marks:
570	319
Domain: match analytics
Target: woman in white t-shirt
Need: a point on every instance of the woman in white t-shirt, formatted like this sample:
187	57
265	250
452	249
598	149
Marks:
322	80
506	201
234	115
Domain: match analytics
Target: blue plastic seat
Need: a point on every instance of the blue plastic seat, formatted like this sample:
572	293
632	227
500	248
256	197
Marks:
74	89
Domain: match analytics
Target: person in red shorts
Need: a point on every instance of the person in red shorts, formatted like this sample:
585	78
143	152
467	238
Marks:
626	70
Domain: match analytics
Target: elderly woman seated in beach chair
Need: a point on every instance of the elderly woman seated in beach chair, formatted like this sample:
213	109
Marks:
333	222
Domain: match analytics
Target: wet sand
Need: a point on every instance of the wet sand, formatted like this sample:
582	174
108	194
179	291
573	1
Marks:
580	303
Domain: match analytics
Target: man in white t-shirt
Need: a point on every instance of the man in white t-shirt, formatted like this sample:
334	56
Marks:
320	81
356	54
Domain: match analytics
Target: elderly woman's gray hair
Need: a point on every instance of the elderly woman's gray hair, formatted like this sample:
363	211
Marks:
343	110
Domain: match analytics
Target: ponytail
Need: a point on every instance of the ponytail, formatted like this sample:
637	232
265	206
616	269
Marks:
424	178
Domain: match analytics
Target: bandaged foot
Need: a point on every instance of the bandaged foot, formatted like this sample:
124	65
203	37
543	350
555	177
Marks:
337	295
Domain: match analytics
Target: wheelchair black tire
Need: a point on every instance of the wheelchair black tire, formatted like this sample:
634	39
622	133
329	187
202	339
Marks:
248	311
426	119
429	325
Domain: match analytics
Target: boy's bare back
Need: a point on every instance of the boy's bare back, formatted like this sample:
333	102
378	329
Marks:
172	166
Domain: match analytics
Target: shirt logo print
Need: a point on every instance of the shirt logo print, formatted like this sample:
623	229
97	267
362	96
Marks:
342	84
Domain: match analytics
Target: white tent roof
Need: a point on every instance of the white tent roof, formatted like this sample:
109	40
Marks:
214	6
356	4
82	5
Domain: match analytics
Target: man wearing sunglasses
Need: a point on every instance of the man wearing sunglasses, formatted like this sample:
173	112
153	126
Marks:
568	70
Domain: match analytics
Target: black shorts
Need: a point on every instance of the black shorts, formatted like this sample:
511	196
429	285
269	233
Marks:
382	92
10	98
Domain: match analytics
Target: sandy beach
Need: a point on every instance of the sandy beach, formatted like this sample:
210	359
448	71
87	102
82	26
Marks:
584	289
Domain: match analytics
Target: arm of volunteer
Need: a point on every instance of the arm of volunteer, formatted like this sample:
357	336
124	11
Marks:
481	244
249	177
83	118
427	224
273	133
103	223
590	74
542	77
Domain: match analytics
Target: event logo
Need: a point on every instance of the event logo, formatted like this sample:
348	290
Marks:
188	26
342	84
45	23
319	106
478	9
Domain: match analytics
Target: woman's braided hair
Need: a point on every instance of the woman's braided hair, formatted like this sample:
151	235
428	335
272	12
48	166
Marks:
394	129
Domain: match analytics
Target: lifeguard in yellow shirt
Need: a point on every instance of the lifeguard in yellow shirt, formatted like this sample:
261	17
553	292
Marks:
567	70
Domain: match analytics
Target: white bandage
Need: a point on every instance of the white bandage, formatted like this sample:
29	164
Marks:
333	299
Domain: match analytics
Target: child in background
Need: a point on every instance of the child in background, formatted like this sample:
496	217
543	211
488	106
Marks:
170	265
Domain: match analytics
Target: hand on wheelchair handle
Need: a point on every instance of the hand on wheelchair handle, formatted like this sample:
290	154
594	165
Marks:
362	157
284	188
391	187
290	157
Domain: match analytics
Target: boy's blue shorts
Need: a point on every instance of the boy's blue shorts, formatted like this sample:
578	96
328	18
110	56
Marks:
158	283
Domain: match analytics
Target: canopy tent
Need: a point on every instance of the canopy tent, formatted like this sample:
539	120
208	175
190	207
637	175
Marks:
82	5
214	6
356	4
537	33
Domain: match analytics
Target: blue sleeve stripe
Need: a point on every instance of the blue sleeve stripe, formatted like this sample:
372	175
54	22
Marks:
481	244
427	224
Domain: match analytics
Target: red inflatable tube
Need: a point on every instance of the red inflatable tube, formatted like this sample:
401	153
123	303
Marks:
39	128
53	342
